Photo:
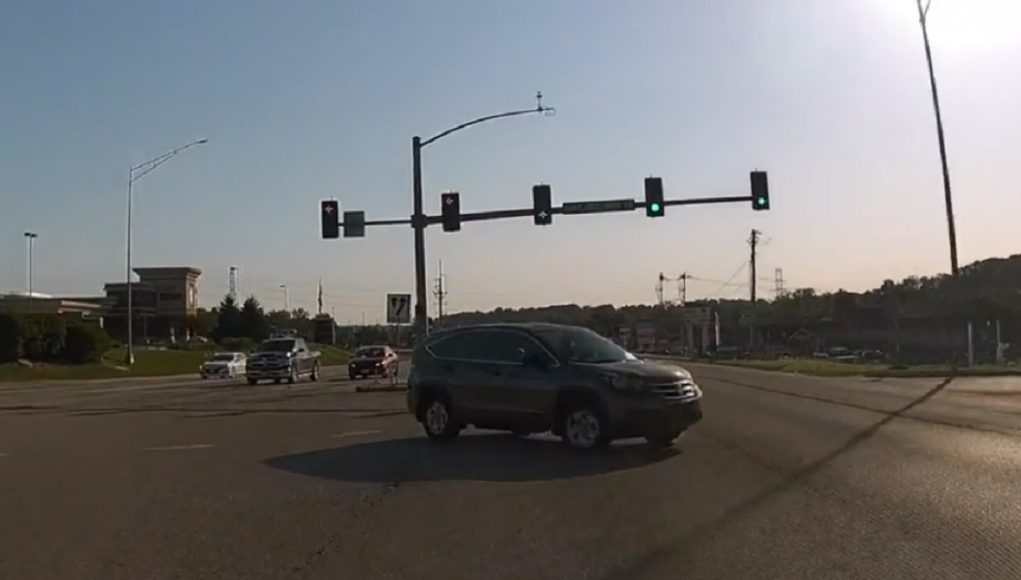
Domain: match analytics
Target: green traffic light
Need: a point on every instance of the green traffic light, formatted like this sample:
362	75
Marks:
656	207
760	201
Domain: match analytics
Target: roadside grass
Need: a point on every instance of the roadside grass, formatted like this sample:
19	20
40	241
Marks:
821	368
331	355
148	363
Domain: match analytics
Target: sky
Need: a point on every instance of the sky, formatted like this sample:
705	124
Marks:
303	101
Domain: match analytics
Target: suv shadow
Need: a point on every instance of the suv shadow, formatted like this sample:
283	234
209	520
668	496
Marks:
489	457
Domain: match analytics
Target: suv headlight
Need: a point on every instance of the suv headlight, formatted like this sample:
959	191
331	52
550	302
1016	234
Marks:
625	382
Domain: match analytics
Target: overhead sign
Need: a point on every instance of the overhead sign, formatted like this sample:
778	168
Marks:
398	308
354	224
697	315
608	205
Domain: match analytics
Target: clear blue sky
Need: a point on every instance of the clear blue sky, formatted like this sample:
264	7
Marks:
307	100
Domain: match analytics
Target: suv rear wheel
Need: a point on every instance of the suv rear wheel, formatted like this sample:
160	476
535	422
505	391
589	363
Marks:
585	426
438	420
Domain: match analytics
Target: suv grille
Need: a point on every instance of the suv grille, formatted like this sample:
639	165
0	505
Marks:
682	389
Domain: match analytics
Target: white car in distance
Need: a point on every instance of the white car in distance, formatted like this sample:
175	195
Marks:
223	365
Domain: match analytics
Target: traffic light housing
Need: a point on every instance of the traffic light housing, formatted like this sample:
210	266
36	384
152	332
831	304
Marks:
654	197
760	191
354	224
451	204
542	205
330	210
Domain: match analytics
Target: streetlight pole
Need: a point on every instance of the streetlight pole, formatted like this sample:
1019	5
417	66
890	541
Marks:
419	221
287	299
923	12
135	173
30	236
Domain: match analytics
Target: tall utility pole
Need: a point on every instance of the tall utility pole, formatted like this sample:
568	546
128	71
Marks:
287	299
30	236
659	289
441	293
753	241
682	288
923	12
779	283
419	220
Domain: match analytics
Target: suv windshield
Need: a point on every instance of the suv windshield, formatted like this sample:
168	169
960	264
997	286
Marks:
277	346
223	358
581	345
370	352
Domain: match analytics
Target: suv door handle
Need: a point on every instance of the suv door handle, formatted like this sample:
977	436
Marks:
497	372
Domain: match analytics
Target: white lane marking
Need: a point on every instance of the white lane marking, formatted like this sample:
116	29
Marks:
355	433
179	447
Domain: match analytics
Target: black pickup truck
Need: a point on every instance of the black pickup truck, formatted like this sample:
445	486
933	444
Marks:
282	359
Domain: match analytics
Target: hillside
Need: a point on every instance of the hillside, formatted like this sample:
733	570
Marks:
986	291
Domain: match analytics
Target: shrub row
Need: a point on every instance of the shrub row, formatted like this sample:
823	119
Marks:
50	338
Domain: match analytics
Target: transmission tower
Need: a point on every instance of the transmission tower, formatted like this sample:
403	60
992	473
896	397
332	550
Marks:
779	283
232	282
441	291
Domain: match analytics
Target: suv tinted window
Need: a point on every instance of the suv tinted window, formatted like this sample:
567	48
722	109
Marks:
583	346
503	346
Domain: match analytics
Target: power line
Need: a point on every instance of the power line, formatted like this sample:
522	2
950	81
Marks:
731	279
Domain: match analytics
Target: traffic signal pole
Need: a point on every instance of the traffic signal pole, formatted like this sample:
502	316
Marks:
421	320
418	219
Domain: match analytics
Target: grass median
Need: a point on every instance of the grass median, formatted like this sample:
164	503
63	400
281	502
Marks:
148	363
824	368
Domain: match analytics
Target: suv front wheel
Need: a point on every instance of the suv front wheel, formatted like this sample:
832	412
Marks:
439	421
585	427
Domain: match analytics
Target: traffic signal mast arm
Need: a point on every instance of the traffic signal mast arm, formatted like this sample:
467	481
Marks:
556	210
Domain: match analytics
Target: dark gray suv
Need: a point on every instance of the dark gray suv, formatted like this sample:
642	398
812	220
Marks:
531	378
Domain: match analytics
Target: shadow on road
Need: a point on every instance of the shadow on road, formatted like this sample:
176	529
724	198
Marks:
682	544
496	457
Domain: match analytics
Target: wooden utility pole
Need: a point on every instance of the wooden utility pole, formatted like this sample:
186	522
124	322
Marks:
753	241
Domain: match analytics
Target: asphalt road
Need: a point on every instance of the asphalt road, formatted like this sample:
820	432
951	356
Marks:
787	477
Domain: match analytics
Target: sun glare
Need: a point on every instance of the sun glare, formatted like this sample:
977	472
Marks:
975	24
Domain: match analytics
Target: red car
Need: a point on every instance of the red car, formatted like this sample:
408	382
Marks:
373	360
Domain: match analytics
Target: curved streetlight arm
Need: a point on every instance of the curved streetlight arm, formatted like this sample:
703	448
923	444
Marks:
418	218
160	160
538	109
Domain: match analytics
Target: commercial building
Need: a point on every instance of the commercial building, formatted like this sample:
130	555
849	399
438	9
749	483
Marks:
163	301
88	308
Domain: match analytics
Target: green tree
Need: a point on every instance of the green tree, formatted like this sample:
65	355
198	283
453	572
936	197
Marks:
228	319
44	336
202	322
10	338
84	343
254	323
